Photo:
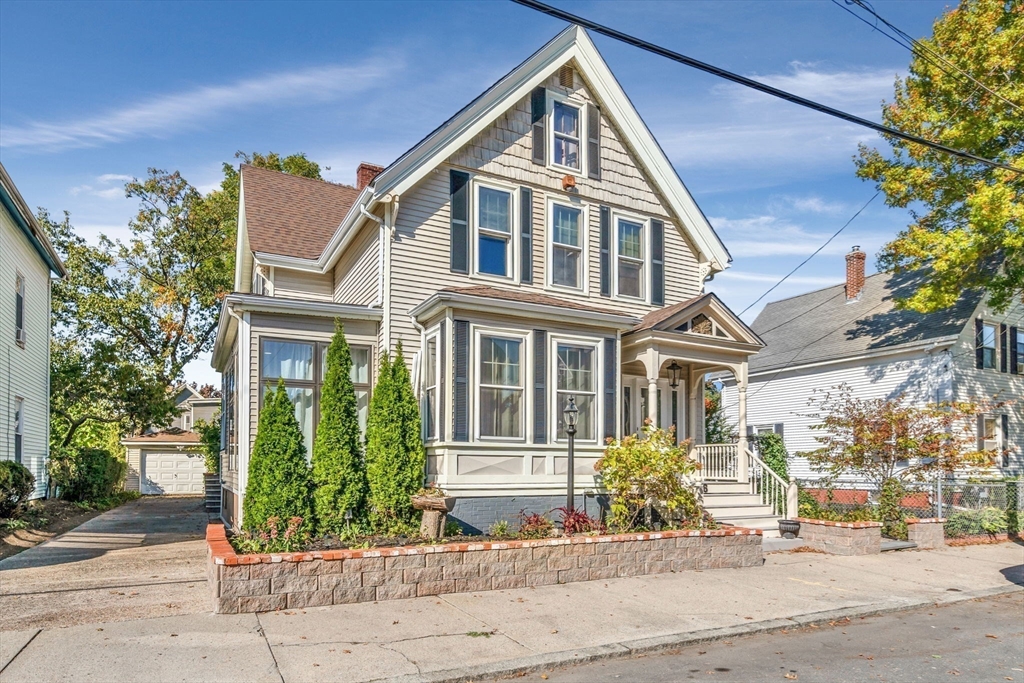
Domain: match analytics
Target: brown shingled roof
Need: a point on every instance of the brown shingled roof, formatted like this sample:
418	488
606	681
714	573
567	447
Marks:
529	297
171	435
662	314
291	215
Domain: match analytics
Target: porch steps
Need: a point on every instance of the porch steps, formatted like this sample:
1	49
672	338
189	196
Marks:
732	504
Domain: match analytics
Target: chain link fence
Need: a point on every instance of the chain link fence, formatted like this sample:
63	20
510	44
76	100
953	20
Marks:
971	508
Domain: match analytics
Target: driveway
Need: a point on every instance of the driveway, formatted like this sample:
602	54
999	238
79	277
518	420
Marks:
144	559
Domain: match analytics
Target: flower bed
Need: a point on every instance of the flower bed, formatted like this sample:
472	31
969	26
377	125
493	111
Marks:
259	583
842	538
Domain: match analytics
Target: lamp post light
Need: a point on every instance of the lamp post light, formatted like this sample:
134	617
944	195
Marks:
673	374
572	414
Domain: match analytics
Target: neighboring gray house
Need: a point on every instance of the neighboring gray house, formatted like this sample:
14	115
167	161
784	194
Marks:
852	333
537	245
27	264
197	404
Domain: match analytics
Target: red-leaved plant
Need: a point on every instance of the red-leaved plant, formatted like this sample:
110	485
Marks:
578	522
534	525
273	537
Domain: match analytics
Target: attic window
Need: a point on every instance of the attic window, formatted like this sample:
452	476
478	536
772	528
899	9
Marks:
565	76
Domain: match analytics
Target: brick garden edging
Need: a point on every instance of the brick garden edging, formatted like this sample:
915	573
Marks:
842	538
261	583
927	532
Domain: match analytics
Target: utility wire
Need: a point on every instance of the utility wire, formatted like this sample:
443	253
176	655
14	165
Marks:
816	252
756	85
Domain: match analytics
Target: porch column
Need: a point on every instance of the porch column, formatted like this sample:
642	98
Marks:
653	365
696	412
741	390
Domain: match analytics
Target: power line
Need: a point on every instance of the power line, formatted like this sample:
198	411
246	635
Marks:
756	85
816	252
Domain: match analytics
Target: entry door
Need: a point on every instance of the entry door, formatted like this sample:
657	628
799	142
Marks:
671	405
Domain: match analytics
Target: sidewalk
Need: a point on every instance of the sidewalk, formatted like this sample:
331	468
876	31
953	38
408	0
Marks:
475	636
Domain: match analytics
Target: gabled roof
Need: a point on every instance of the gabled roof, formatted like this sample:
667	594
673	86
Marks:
172	435
669	318
821	326
572	44
26	221
526	297
290	215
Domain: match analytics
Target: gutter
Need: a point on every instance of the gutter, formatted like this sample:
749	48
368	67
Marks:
485	305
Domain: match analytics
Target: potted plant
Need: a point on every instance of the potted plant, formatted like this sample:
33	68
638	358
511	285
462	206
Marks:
435	505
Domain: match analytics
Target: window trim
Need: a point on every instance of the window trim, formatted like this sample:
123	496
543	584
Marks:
997	437
20	297
645	260
995	345
19	429
549	240
513	237
1019	341
478	332
433	336
230	404
556	97
556	418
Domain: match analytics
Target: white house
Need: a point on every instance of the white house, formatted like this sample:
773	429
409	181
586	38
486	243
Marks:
27	262
852	333
537	245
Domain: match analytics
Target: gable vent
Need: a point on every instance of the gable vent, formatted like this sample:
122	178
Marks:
565	76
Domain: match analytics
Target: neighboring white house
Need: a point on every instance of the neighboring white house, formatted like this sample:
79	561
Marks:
536	245
27	262
852	333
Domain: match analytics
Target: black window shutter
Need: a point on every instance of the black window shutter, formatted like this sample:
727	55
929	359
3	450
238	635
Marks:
460	422
526	234
981	432
538	107
979	354
1004	438
606	251
1014	359
440	381
460	222
611	375
779	428
657	263
1002	347
593	142
750	430
540	393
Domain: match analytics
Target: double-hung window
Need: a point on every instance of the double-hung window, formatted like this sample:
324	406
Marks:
501	387
1019	341
630	255
19	429
230	399
566	133
494	231
19	309
362	357
988	346
576	375
292	362
990	432
566	246
429	412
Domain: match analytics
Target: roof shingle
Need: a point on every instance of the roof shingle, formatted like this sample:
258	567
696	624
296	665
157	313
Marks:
529	297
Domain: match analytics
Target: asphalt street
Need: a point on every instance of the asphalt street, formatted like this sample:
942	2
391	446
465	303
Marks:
977	640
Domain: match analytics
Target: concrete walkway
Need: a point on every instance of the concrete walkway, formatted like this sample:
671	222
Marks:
144	559
474	636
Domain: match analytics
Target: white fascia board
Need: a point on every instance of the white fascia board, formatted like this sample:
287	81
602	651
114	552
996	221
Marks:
288	262
466	302
226	331
687	340
242	252
264	304
926	345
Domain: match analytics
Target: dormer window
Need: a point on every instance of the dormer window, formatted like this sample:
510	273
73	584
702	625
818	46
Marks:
566	127
494	231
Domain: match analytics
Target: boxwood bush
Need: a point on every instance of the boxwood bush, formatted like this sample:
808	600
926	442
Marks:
16	484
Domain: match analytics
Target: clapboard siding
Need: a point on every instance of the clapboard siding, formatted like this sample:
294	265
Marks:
355	276
26	370
301	284
972	384
783	397
133	479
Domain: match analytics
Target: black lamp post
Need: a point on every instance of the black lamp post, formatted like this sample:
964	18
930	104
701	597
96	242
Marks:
572	413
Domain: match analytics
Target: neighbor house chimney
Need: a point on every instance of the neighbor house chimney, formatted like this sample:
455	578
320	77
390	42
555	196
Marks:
366	173
855	273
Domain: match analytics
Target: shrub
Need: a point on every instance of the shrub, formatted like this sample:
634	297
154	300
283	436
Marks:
452	528
279	481
890	509
500	529
339	473
395	459
16	484
578	521
772	450
209	437
273	536
649	472
989	520
534	525
88	474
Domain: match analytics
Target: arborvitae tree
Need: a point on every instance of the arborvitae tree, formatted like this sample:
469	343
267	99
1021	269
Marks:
279	480
338	470
395	458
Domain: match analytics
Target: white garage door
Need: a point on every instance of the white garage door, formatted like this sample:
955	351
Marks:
172	472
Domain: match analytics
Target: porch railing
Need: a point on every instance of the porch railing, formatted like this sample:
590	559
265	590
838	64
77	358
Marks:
774	491
718	461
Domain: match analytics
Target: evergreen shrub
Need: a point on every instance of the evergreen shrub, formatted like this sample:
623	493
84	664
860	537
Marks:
16	484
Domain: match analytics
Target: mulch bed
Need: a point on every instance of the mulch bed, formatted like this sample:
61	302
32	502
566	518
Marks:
335	543
986	539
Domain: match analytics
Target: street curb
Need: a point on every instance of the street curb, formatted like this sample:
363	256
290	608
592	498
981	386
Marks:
524	665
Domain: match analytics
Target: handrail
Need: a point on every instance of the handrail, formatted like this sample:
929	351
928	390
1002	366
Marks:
718	461
773	489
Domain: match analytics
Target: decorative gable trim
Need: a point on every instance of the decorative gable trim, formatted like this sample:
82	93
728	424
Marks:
708	305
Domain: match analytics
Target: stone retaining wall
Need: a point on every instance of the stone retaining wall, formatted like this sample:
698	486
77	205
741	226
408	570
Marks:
927	533
259	583
842	538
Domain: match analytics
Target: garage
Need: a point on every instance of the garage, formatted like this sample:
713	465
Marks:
165	463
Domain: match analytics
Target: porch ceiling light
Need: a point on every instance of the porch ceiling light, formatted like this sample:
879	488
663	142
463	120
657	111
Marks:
673	374
571	413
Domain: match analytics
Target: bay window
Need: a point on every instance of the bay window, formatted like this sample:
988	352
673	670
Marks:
566	133
576	376
501	387
429	412
494	231
630	256
566	246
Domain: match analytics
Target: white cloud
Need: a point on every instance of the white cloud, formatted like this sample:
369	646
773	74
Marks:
112	177
731	274
814	205
115	189
770	235
163	114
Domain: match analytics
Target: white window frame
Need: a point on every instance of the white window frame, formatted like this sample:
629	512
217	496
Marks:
19	292
511	262
995	443
19	429
549	251
645	252
552	99
985	326
1019	341
525	372
556	418
434	336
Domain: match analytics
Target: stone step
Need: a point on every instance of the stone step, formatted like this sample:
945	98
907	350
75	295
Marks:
894	544
717	487
730	511
728	499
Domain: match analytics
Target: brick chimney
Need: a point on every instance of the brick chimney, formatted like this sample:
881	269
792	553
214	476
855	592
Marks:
366	173
855	273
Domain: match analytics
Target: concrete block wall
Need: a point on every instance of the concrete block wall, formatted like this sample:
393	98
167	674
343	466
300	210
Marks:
842	538
477	515
927	533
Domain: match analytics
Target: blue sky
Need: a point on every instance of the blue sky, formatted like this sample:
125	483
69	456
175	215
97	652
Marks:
93	93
